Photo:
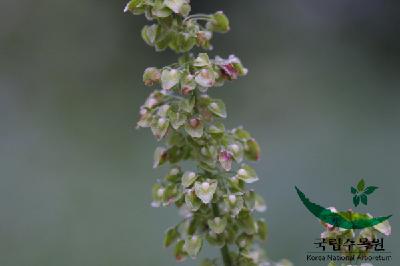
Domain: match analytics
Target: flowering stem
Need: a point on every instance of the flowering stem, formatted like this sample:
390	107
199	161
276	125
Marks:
224	250
225	256
190	120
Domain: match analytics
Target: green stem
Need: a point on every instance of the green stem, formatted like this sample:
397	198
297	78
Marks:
224	250
225	256
198	17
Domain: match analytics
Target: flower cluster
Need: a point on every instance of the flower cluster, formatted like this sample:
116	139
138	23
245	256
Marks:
213	198
216	205
174	29
182	101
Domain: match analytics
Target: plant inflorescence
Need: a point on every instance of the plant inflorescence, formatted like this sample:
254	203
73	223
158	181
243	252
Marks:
212	195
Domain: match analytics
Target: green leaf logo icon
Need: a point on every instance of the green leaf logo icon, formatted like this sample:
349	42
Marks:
370	190
356	200
360	194
361	185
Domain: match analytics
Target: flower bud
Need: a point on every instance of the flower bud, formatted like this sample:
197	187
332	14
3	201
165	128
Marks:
144	118
205	191
214	105
194	127
194	122
232	198
231	68
151	102
229	71
174	171
205	185
220	22
242	172
187	84
217	225
203	37
252	150
186	90
217	107
193	245
234	147
143	111
161	121
225	159
205	78
151	76
247	174
160	192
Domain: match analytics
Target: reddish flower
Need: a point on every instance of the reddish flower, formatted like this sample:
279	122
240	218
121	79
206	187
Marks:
225	159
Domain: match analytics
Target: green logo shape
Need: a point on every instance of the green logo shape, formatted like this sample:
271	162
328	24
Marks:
346	220
361	193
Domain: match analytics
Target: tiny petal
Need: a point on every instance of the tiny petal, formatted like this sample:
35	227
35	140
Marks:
247	174
205	78
151	76
194	127
205	185
202	60
232	199
217	225
175	5
203	37
225	159
193	245
205	192
384	228
160	156
188	179
169	78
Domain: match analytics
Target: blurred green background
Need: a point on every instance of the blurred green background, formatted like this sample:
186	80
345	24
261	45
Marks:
322	97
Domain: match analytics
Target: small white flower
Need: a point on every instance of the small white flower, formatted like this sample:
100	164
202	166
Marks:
143	111
202	60
175	5
214	105
161	121
174	171
205	185
234	147
205	78
232	199
217	225
242	172
247	174
160	192
191	174
188	179
169	78
151	102
205	191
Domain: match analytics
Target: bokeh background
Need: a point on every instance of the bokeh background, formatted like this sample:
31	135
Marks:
322	97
